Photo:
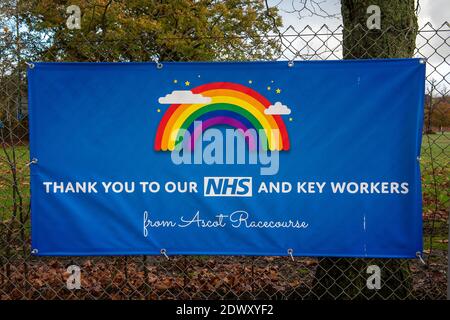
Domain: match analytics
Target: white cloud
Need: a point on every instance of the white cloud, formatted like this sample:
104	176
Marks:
278	109
183	97
434	11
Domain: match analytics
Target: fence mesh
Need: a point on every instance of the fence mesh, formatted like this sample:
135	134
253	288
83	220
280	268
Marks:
24	276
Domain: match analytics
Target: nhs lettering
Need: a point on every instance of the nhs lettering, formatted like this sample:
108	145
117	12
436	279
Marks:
228	186
255	130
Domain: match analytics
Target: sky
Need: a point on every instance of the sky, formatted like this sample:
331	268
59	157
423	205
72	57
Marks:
435	49
434	11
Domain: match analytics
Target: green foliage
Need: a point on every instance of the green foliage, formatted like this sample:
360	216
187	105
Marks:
139	30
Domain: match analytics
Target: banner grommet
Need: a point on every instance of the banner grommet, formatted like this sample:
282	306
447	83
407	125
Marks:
33	161
164	253
419	255
159	65
290	253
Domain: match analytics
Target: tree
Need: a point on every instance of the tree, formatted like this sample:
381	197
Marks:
437	108
395	39
128	30
140	30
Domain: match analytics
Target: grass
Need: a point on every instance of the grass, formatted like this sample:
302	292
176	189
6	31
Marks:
438	242
435	166
435	176
435	157
6	180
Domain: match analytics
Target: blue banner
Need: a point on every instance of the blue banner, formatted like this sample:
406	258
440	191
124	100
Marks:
314	158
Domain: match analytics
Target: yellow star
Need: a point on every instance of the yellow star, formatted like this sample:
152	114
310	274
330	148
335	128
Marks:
290	119
278	90
271	81
268	88
175	81
159	110
250	81
187	83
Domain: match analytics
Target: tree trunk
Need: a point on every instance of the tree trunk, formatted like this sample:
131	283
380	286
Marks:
338	278
395	39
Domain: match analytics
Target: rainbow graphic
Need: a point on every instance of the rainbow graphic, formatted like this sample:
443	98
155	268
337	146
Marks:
230	104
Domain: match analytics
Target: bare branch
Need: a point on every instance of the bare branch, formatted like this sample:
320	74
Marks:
308	8
275	26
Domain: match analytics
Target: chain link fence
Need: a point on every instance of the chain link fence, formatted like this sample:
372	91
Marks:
24	276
